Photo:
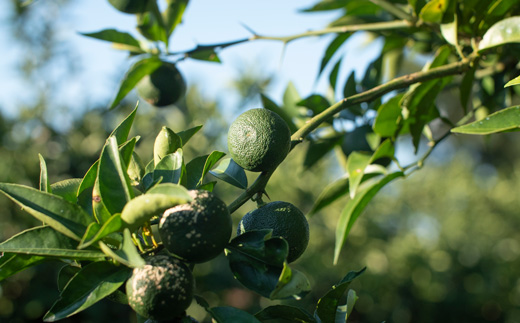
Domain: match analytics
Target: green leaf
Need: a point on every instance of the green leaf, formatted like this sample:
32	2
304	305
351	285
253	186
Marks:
226	314
356	164
503	32
514	81
188	133
354	208
136	72
45	241
501	121
166	142
332	49
170	189
325	5
172	15
449	31
315	102
91	284
285	312
328	304
434	10
65	275
270	105
208	55
291	283
64	216
96	232
123	129
330	193
68	188
170	168
385	150
200	166
333	76
89	179
388	116
12	263
318	149
114	183
118	37
466	87
44	177
127	254
230	172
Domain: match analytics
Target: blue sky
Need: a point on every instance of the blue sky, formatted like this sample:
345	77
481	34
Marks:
205	22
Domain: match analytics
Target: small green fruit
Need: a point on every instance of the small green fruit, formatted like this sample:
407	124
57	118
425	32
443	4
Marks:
259	140
162	87
162	289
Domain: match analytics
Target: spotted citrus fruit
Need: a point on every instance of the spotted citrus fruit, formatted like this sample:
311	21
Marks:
259	140
286	221
162	87
197	231
160	290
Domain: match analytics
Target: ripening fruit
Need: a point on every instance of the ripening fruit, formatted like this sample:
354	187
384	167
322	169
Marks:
259	140
162	87
197	231
130	6
286	221
160	290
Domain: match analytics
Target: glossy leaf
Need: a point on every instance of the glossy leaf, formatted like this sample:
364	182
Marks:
62	215
356	164
91	284
503	32
285	312
127	254
170	168
327	305
12	263
114	183
230	172
501	121
89	179
136	72
118	37
166	142
67	188
200	166
65	275
186	135
514	81
268	104
45	241
354	208
173	13
122	130
96	232
44	177
449	31
388	116
225	314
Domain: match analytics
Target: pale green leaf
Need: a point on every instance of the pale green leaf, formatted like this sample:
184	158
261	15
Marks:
503	32
501	121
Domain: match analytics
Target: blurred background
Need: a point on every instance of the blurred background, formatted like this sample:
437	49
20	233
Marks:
440	246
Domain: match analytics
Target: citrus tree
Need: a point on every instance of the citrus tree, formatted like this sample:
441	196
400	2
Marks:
133	227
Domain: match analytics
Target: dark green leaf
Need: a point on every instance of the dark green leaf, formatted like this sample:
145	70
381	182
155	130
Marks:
327	5
332	49
65	275
209	186
466	87
114	184
318	149
285	312
44	177
123	129
388	117
151	25
355	206
229	172
89	179
94	282
96	232
45	241
330	193
172	15
503	32
188	133
200	166
65	217
170	168
208	55
270	105
127	254
230	314
316	103
328	304
67	189
12	263
118	37
333	76
136	72
501	121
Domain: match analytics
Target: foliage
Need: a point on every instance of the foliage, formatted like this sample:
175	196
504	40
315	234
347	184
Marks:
101	222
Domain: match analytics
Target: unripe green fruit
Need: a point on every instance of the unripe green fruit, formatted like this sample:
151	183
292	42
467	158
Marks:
130	6
197	231
286	221
162	87
166	142
160	290
259	140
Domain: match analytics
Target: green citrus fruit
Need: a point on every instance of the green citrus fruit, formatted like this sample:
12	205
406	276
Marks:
130	6
259	140
162	289
197	231
162	87
286	221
